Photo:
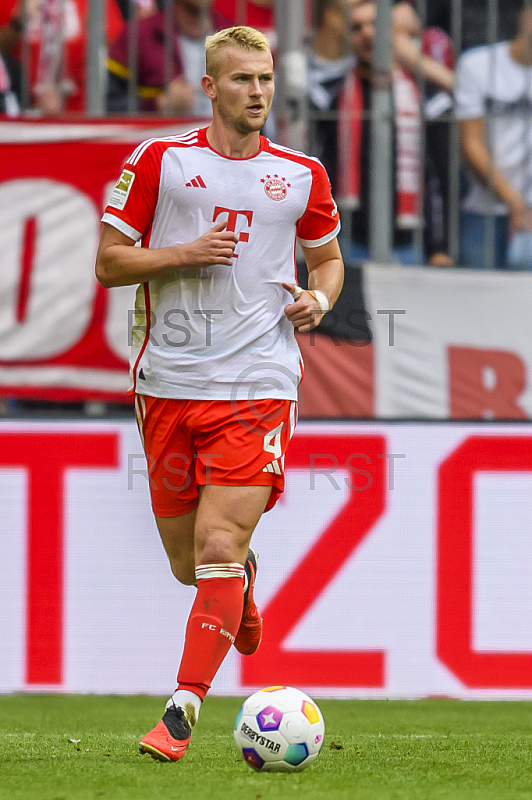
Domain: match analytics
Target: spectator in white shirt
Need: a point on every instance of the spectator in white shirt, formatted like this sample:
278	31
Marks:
494	105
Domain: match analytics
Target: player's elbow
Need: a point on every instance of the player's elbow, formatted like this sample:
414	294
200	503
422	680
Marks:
103	270
103	276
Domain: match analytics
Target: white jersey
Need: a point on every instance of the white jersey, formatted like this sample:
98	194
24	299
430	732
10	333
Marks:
219	332
491	85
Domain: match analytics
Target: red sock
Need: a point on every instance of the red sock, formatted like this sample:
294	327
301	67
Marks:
212	625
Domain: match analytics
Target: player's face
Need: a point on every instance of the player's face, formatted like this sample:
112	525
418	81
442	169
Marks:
363	32
244	89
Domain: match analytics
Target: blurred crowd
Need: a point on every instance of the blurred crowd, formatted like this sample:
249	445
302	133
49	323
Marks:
56	35
486	86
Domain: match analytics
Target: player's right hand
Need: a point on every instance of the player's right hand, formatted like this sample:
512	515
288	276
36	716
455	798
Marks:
214	247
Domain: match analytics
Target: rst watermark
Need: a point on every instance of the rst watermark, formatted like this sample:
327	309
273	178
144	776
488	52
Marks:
172	477
173	330
329	470
262	401
176	472
355	323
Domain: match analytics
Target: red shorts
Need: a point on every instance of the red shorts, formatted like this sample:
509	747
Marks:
191	443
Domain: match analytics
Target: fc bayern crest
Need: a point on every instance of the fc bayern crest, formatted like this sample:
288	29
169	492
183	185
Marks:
275	186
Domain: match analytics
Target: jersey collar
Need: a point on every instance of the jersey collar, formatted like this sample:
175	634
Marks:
204	142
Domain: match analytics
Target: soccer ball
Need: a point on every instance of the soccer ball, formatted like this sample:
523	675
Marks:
279	729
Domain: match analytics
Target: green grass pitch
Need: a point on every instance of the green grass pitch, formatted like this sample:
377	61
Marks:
55	747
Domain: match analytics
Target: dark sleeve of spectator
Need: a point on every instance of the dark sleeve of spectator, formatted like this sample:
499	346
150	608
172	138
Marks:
437	146
118	74
117	94
325	132
436	189
327	149
14	69
124	5
439	15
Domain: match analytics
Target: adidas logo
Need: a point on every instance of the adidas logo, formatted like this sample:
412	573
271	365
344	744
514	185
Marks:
198	182
274	467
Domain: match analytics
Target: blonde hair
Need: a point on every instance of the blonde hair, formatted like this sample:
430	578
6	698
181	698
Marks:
239	36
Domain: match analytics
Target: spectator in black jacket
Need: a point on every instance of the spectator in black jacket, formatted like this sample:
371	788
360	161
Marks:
346	150
329	62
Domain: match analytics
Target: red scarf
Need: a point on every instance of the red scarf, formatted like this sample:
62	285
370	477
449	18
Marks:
408	140
53	35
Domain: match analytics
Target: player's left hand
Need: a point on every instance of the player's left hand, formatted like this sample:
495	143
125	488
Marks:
305	312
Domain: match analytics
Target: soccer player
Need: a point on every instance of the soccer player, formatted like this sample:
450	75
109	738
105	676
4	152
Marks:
215	362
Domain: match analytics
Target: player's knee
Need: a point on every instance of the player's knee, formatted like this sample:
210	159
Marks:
221	546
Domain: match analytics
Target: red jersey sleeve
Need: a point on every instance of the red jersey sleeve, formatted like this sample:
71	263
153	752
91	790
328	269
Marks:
134	198
320	222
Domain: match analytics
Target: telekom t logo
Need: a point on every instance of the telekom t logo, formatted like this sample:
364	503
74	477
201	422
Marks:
232	217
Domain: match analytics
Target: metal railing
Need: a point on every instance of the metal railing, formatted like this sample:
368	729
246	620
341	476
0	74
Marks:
467	22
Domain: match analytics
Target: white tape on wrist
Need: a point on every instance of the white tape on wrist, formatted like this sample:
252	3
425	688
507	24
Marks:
322	300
